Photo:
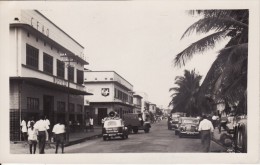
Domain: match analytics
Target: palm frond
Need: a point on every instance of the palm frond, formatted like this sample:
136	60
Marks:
205	25
199	47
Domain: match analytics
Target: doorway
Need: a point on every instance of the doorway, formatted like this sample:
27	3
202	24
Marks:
48	107
102	113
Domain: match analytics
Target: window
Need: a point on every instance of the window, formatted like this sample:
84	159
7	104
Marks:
47	63
32	56
32	104
71	107
71	73
80	77
60	68
61	106
79	108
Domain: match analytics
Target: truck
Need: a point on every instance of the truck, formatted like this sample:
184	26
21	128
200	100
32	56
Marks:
134	122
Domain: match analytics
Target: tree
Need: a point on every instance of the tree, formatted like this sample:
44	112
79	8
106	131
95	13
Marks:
227	77
184	96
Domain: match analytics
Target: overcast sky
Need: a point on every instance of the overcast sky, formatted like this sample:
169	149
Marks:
137	40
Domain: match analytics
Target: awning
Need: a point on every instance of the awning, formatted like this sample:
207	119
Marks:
50	85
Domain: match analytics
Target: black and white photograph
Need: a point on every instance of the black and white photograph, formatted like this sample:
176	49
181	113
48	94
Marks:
130	81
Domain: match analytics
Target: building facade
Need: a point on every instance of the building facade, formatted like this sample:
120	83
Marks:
111	92
152	108
137	103
43	80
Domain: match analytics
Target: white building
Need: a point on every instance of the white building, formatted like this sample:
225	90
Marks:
111	92
137	103
40	82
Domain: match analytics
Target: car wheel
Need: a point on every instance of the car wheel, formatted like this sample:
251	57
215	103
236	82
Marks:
176	132
126	136
104	138
123	137
180	135
129	129
135	130
146	130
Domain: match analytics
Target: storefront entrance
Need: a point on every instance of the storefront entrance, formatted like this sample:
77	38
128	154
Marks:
102	113
48	108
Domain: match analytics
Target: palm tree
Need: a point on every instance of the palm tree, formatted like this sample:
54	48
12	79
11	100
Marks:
227	77
184	96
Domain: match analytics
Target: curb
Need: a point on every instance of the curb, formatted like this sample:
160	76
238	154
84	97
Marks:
82	140
219	143
67	143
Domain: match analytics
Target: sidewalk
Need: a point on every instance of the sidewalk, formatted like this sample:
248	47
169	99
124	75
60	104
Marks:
74	138
224	139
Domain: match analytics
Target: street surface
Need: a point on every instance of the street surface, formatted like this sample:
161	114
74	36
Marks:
160	139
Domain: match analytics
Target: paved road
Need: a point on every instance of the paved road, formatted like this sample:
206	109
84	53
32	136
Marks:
160	139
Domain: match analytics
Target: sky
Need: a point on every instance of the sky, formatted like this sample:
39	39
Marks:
137	40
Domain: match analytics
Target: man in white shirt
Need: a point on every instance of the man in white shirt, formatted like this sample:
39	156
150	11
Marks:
24	130
47	121
42	128
59	131
205	128
91	123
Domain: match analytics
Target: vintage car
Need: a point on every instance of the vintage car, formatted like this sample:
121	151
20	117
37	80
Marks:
188	126
114	127
240	134
173	120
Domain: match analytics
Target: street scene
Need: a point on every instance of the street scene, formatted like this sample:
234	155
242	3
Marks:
96	81
137	143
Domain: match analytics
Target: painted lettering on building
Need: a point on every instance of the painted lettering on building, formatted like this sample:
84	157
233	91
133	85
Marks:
59	81
40	27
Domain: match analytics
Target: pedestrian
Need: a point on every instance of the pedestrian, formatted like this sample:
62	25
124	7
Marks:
24	130
42	128
87	125
47	121
206	132
91	123
32	138
223	121
214	120
29	122
59	131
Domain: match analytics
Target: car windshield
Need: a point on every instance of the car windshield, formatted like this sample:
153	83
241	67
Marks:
190	121
113	123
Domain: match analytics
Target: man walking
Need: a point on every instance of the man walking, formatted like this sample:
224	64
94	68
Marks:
91	124
42	128
24	130
59	133
205	128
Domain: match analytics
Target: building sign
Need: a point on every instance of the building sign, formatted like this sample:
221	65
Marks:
105	91
59	81
40	27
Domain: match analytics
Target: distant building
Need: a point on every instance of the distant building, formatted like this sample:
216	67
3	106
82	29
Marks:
137	103
111	92
152	108
38	76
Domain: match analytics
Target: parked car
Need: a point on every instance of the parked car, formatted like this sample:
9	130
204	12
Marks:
114	127
240	134
173	120
188	126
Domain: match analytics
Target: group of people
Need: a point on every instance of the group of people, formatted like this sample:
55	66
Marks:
39	132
